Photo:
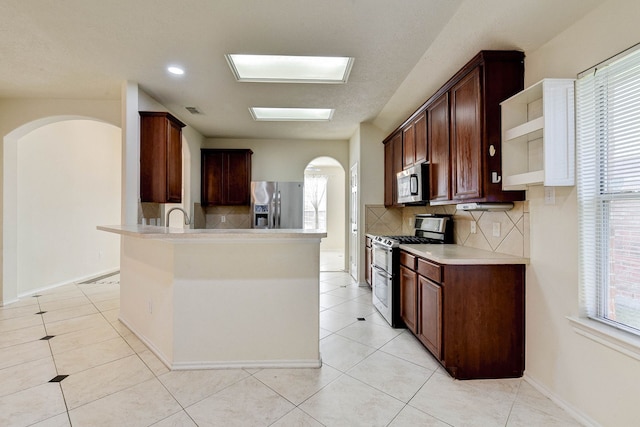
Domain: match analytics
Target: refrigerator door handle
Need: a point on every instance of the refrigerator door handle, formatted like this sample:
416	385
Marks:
278	208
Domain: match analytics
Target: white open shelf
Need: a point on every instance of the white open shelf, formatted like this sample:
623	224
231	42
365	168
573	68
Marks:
524	129
538	136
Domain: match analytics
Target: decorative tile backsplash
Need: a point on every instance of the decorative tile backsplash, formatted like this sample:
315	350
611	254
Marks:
222	217
512	226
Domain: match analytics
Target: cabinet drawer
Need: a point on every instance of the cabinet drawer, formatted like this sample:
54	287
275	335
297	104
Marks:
408	260
430	270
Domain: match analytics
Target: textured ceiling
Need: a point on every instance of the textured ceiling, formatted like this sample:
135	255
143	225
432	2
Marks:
404	50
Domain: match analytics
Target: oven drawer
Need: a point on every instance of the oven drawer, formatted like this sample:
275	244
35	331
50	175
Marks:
430	270
408	260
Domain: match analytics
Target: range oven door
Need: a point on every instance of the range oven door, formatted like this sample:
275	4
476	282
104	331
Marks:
382	287
382	257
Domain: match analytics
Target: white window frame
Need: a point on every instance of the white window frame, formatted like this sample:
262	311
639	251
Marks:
594	128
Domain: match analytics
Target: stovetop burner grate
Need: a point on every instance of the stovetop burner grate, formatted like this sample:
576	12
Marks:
414	240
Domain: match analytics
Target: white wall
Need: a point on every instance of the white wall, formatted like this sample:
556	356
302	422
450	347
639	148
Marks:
284	160
17	118
68	183
366	150
335	240
597	381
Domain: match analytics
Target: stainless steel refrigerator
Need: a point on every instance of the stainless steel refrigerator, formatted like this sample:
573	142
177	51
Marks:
277	204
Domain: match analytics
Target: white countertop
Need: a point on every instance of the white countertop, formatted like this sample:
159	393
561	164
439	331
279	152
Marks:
168	233
461	255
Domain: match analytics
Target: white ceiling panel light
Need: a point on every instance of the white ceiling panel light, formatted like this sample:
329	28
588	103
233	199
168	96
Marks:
268	114
290	69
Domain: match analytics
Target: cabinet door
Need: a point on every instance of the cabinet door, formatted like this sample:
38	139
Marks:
409	298
466	137
388	167
408	146
237	176
430	315
414	142
212	177
392	165
174	162
160	157
420	132
438	136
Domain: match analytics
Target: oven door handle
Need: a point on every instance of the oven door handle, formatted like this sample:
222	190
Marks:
381	270
382	246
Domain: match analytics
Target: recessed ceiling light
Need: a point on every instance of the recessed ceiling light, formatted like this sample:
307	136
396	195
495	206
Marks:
175	70
291	114
290	69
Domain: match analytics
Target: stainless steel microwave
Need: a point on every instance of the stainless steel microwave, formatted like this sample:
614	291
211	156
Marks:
413	184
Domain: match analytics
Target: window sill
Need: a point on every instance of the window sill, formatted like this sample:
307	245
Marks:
609	336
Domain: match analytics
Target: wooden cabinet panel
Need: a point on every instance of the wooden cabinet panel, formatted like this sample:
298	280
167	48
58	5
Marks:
409	298
212	177
421	152
408	146
430	270
225	177
438	136
160	157
430	315
237	177
414	141
392	165
408	260
466	134
483	317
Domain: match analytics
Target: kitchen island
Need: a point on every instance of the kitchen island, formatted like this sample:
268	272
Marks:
204	298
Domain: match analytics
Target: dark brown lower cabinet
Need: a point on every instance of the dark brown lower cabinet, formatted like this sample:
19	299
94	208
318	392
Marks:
430	313
470	317
409	298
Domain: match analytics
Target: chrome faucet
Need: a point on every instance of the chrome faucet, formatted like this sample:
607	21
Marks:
186	217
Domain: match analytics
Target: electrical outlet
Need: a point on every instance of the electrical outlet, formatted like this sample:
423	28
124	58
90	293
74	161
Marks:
223	218
549	195
496	229
473	226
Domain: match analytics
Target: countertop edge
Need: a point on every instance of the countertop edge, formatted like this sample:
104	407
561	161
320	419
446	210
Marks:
167	233
446	254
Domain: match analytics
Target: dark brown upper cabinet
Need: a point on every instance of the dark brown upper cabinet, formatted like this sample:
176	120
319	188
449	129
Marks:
463	132
160	157
225	177
440	160
414	141
392	165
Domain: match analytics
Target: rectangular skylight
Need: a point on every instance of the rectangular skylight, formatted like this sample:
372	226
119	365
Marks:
290	69
291	114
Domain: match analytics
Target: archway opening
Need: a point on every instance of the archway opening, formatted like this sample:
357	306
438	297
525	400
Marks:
64	179
324	209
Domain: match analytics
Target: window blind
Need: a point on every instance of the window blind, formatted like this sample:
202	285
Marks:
608	173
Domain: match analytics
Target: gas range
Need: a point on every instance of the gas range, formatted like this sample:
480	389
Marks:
395	241
385	261
429	228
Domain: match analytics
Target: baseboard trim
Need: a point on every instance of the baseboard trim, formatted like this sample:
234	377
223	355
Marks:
572	410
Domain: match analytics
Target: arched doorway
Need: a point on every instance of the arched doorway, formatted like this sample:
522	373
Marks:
325	208
62	178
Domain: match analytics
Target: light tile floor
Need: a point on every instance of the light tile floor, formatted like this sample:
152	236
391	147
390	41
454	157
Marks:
332	261
372	375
